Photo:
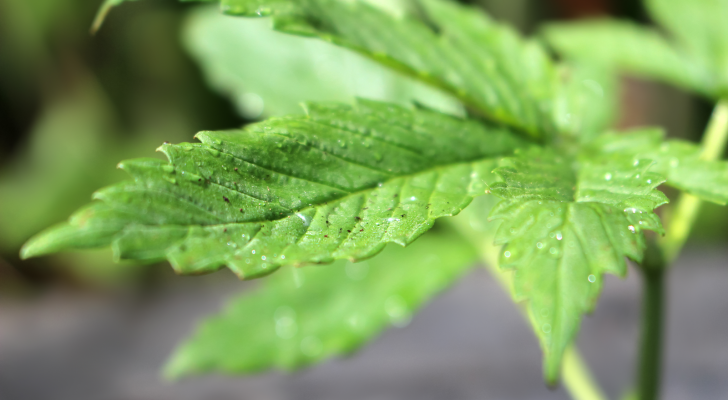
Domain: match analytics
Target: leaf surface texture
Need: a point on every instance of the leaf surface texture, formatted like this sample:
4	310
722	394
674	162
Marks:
565	222
337	183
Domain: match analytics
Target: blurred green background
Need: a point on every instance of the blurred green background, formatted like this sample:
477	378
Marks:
73	104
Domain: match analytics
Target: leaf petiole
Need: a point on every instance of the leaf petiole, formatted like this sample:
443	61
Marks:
688	206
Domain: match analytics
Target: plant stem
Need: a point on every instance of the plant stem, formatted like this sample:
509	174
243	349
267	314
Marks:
650	362
661	254
577	378
688	206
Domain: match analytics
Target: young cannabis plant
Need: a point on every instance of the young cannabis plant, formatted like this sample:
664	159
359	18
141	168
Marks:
341	181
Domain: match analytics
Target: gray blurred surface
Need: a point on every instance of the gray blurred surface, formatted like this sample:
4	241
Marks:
469	343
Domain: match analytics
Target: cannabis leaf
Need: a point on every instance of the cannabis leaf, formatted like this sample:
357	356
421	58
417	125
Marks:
458	49
304	315
680	162
565	223
695	58
586	103
274	73
339	182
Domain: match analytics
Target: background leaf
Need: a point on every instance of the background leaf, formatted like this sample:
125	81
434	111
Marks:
458	49
269	73
587	101
631	48
303	316
700	27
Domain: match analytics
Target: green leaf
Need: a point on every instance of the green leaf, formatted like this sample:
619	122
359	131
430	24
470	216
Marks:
587	101
274	73
632	48
302	316
566	221
485	64
700	27
337	183
677	160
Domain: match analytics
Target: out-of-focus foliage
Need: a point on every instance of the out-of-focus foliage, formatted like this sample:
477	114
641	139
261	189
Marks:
269	73
73	105
693	56
304	315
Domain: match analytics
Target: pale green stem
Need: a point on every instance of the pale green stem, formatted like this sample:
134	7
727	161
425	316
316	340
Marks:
688	206
577	378
575	374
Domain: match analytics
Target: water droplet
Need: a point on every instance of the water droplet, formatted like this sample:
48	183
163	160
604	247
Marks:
553	250
649	181
253	252
631	228
306	221
607	176
539	245
262	258
413	198
311	346
283	257
558	236
507	254
546	328
636	163
592	278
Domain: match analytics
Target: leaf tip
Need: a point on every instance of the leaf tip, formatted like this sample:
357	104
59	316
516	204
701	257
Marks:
35	247
102	14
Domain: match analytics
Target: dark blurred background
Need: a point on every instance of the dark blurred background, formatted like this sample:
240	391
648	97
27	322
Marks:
76	326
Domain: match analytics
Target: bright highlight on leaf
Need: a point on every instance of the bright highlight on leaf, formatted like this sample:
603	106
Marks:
337	183
305	315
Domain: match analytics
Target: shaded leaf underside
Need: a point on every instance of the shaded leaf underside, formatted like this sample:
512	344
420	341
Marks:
337	183
304	315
